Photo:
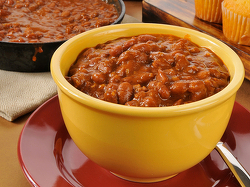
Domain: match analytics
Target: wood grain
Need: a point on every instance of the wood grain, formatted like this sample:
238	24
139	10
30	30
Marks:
182	13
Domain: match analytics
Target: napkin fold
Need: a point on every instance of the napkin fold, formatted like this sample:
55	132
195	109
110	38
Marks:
21	93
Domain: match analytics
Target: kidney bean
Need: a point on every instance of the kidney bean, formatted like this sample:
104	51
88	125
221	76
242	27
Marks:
116	50
210	87
2	33
203	74
143	78
181	62
52	5
4	13
142	47
10	2
179	87
127	69
146	37
162	77
33	7
179	45
139	96
192	69
65	13
114	79
149	102
79	79
194	50
105	66
126	45
214	73
125	92
134	55
99	77
220	82
161	60
175	78
152	84
132	103
198	90
110	94
2	3
40	2
163	91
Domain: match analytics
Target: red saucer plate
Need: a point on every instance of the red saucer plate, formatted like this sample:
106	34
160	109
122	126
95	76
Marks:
49	157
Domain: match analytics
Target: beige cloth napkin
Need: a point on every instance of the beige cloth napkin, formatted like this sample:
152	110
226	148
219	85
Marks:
21	93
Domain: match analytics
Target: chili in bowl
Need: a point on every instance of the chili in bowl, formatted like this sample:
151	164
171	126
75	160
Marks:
152	70
138	141
31	30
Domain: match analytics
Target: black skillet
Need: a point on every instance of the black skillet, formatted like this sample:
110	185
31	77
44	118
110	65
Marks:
25	57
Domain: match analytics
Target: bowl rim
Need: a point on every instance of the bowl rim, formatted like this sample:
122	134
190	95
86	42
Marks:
197	106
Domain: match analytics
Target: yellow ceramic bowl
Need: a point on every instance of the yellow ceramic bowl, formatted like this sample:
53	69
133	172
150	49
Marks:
143	143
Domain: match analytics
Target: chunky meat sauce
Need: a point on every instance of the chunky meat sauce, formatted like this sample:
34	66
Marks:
149	70
33	21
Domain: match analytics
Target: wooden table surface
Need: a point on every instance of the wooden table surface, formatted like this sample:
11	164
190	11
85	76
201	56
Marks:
10	171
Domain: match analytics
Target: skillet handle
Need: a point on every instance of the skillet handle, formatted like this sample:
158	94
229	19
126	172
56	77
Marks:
237	169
